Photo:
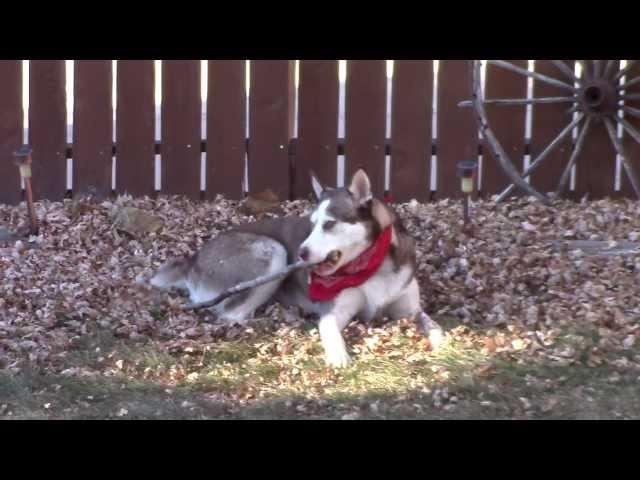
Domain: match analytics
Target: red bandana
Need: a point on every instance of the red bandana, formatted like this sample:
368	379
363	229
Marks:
354	273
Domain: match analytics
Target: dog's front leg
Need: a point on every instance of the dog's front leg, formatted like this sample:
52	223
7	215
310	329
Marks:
343	309
433	331
408	305
335	350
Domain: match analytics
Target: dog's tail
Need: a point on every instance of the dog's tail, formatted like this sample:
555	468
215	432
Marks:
171	274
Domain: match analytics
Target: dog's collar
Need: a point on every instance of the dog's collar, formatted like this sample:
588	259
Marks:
354	273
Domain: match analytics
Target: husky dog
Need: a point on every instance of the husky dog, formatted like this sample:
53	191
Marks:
364	266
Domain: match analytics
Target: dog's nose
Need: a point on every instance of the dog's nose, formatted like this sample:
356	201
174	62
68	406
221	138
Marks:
304	253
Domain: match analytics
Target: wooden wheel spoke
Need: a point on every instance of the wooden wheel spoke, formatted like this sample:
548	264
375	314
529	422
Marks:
621	73
597	68
628	84
631	174
634	112
498	152
564	68
510	102
573	109
631	130
602	75
586	74
537	76
608	68
574	156
540	158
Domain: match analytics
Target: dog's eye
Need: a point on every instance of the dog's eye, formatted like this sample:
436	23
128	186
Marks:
328	225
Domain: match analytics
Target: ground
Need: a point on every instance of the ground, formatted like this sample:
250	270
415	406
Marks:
532	331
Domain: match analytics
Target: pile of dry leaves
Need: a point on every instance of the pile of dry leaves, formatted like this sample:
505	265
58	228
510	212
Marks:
81	272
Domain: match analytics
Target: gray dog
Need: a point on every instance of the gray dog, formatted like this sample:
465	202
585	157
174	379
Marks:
364	266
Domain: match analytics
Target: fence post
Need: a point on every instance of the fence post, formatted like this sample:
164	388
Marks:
508	123
10	128
135	127
317	146
548	121
365	120
181	125
411	130
226	128
457	129
92	127
271	118
48	128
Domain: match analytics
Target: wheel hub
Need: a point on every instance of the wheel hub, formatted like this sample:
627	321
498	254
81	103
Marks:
598	97
595	99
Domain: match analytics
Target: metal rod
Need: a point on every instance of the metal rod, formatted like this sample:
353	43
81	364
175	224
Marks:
24	162
621	73
536	163
631	174
465	210
33	219
496	149
564	68
537	76
520	101
574	156
630	83
629	128
32	211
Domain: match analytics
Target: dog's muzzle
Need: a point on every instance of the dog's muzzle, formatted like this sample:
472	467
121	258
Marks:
329	263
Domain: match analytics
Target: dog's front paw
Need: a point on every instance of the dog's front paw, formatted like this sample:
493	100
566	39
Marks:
337	358
335	350
436	338
434	332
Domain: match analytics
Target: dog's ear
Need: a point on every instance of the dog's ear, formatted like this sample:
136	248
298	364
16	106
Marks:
381	214
360	187
318	188
384	217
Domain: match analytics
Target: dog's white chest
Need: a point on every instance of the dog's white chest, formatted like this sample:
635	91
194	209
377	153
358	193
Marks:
384	287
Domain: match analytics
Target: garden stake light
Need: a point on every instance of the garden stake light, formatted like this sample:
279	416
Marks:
466	170
23	160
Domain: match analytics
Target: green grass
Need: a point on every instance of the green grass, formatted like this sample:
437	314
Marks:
267	375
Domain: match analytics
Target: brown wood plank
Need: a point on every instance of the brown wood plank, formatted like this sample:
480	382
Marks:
10	128
365	120
457	131
181	125
47	128
508	124
596	166
271	105
92	127
226	125
135	124
318	125
631	146
547	122
411	130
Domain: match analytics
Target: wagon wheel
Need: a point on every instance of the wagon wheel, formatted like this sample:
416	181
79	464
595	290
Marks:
594	96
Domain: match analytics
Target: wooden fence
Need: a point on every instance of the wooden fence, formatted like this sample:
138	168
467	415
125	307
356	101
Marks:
409	149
